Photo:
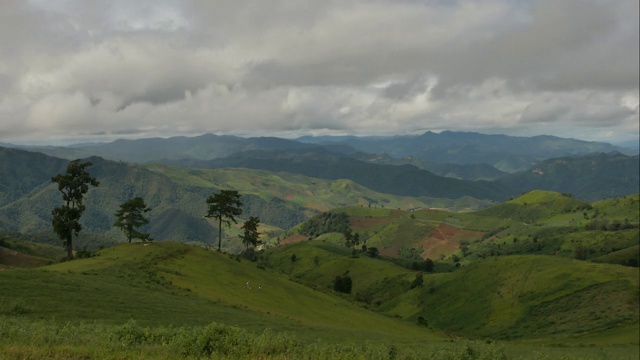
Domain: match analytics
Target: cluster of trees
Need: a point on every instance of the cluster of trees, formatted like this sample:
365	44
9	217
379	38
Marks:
606	225
74	185
326	223
223	206
342	284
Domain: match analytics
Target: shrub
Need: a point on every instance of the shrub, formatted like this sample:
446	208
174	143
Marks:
342	284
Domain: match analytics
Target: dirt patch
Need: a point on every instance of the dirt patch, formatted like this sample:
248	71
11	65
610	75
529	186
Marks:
293	239
391	251
445	239
15	259
366	223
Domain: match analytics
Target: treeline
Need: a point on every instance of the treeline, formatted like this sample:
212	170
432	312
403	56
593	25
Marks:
606	225
324	223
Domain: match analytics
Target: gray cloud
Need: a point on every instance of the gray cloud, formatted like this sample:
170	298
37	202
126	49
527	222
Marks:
97	69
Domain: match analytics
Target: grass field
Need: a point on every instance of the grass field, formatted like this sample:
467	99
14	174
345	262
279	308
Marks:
174	292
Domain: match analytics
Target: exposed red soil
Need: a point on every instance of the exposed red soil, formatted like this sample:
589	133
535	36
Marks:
391	251
444	240
12	258
293	239
364	223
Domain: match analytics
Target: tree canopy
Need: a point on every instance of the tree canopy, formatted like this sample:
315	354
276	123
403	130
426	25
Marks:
130	217
73	185
224	206
251	234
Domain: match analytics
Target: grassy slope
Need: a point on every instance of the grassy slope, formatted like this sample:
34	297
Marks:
539	222
529	297
511	297
15	252
176	284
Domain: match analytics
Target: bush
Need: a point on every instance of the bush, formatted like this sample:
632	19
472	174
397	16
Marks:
342	284
417	281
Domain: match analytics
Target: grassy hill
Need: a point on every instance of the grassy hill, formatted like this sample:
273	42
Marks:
167	300
512	297
172	284
17	251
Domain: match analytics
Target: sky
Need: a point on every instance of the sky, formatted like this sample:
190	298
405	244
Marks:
89	70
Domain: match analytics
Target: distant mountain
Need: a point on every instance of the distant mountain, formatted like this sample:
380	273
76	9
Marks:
22	172
203	147
506	153
456	171
177	196
403	180
590	178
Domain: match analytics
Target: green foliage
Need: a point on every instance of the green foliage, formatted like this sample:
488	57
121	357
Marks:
327	222
418	281
343	284
130	217
224	206
627	257
46	339
73	186
251	234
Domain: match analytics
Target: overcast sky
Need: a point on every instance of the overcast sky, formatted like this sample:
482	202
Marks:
83	70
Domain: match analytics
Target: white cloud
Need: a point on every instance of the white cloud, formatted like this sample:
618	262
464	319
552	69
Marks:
147	68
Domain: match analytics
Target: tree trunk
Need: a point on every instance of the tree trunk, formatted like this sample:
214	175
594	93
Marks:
69	250
220	234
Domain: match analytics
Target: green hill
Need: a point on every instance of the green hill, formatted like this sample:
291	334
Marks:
167	298
536	206
510	297
176	284
538	222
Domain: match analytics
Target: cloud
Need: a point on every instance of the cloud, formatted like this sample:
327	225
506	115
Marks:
159	68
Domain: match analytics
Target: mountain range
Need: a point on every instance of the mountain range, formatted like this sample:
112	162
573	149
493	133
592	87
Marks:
505	153
284	182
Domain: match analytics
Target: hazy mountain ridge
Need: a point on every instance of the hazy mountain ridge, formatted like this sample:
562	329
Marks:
203	147
279	196
591	177
403	180
506	153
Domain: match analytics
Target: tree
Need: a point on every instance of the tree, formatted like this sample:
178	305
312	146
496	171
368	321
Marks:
417	281
224	206
342	284
73	185
373	251
251	234
429	265
130	216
